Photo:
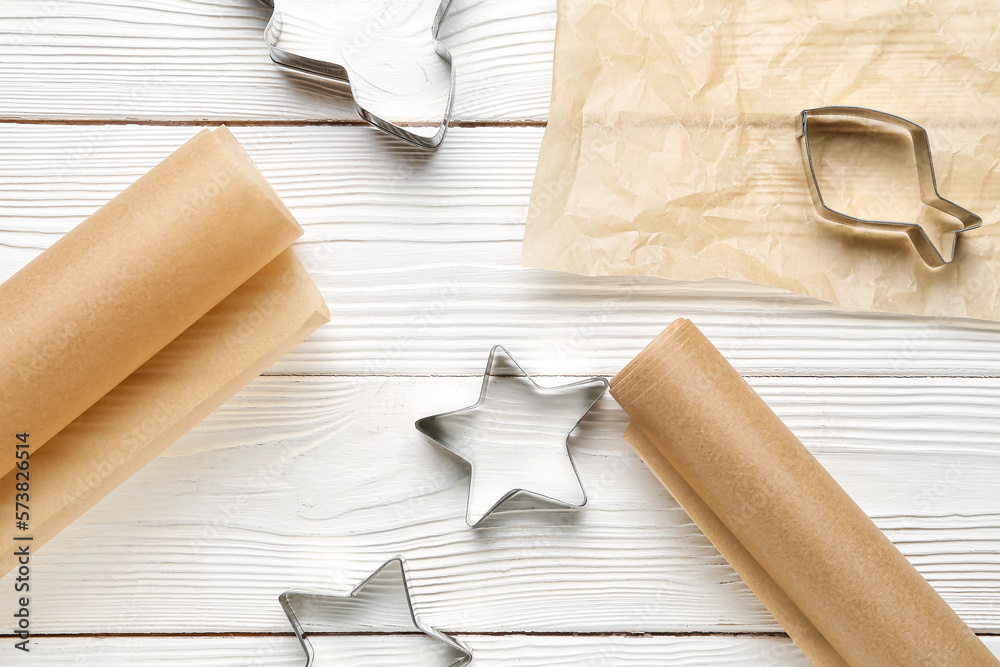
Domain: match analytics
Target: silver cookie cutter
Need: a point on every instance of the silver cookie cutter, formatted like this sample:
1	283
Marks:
516	437
925	172
341	69
392	576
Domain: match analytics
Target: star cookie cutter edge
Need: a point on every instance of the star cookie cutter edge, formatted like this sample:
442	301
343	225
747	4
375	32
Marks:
482	398
302	635
338	72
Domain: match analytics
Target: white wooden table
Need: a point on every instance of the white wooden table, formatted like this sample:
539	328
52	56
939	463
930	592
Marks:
314	474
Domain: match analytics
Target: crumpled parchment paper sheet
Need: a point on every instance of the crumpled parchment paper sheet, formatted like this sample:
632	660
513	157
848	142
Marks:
672	151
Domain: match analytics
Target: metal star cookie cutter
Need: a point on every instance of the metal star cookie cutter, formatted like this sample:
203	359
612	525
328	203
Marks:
925	172
516	437
376	594
359	45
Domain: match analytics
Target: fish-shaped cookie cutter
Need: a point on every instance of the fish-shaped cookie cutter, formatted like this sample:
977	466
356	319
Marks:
361	72
929	194
390	575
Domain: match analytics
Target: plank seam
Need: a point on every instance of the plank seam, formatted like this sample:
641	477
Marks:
250	635
470	633
77	122
870	376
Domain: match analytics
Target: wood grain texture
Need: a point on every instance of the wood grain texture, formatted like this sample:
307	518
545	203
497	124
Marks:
313	475
419	258
525	651
490	651
188	60
314	481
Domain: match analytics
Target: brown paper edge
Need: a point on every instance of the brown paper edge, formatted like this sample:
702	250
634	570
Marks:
799	628
239	161
312	313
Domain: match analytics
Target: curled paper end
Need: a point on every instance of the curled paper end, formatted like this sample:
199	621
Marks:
141	321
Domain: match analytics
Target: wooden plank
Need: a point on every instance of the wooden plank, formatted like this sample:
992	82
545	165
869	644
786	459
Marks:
314	481
526	651
190	60
419	257
490	651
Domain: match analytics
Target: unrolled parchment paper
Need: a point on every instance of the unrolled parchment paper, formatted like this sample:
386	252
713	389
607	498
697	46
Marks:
671	146
839	587
141	321
129	279
181	385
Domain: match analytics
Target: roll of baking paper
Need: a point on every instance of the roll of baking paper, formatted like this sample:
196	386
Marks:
119	287
840	588
177	388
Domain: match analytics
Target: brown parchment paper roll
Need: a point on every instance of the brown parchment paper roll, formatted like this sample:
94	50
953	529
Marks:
120	286
839	587
169	394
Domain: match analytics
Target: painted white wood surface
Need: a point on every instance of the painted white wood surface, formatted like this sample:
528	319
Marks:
182	60
526	651
419	257
314	481
314	474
